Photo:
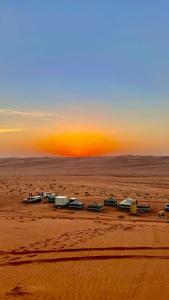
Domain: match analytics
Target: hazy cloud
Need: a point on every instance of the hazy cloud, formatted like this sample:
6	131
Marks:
10	130
33	114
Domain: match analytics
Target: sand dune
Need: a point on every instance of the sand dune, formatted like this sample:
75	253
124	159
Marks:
47	253
118	165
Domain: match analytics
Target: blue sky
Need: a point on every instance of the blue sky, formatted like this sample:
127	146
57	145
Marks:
55	55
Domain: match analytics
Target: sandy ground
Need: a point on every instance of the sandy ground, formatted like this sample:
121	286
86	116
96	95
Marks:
47	253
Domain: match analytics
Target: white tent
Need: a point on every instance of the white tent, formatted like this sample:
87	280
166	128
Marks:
126	202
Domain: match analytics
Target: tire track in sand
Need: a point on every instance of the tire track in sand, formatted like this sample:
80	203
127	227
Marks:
84	258
51	256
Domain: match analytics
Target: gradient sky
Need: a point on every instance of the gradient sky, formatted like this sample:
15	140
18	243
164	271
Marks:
84	66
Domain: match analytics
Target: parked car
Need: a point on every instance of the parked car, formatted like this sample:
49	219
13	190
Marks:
51	198
143	208
75	204
110	202
47	194
73	199
32	200
95	207
166	208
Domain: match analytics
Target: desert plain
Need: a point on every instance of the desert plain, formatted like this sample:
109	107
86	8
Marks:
48	253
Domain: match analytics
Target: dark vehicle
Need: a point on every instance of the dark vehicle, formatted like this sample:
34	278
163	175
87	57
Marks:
95	207
110	202
46	195
166	208
32	200
143	208
75	204
51	198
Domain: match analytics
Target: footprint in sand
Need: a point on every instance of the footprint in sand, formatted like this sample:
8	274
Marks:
31	255
18	291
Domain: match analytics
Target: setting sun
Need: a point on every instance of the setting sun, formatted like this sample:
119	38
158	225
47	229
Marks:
77	144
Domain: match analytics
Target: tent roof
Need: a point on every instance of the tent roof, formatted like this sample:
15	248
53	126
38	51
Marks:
127	201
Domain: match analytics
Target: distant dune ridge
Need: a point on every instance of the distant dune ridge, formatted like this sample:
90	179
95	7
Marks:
107	165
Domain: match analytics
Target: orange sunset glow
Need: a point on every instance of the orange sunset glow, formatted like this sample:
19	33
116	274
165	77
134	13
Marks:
77	144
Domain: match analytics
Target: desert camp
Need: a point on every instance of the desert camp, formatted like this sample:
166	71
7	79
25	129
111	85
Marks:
130	205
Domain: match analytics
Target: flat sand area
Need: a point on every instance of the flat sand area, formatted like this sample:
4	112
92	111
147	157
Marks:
47	253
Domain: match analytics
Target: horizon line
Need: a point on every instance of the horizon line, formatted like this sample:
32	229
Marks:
83	157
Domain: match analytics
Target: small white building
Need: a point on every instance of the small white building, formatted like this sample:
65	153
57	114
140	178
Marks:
61	201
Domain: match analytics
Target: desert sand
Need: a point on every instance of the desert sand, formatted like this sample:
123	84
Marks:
47	253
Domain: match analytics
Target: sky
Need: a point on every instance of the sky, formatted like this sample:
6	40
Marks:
92	76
